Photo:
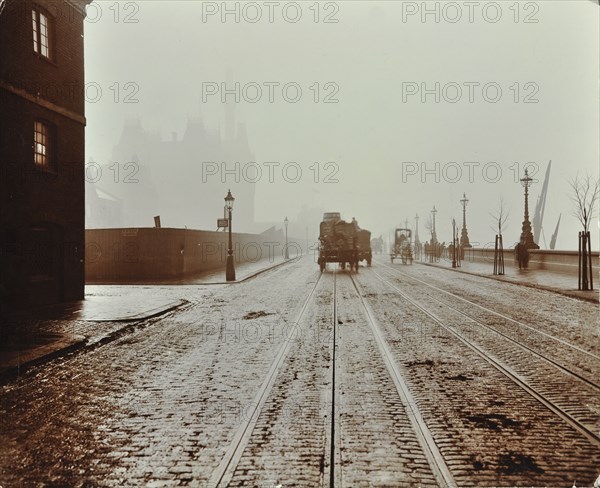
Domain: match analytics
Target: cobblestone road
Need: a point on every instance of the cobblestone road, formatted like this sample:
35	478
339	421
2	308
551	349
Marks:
177	399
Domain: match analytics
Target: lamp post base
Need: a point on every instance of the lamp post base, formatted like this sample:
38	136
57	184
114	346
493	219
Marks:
230	269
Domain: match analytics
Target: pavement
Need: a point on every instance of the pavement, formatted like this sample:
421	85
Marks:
554	281
243	272
34	336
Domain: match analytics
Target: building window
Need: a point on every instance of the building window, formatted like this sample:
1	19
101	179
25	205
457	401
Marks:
43	145
41	33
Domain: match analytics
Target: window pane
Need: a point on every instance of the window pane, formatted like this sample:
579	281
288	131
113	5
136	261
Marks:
42	144
45	45
41	33
35	33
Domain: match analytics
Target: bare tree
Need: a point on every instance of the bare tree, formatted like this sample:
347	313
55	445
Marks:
584	194
428	224
500	217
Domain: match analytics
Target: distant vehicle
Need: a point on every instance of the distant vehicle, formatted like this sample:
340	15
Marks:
377	245
363	238
402	247
343	242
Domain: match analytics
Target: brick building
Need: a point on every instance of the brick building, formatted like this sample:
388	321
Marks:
42	140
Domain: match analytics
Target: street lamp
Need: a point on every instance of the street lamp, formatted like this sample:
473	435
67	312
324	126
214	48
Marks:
455	256
526	235
230	269
433	234
464	236
286	255
417	241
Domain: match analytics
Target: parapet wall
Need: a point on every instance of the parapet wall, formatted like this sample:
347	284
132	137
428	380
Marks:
145	254
561	261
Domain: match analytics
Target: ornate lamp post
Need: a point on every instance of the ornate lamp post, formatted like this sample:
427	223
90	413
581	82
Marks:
230	269
417	242
433	235
454	243
286	253
416	228
526	235
464	235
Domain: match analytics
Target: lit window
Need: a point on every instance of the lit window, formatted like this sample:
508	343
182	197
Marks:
41	33
42	145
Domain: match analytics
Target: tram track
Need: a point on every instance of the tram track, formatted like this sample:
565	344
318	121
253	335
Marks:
222	476
503	368
572	347
561	367
250	438
334	432
260	447
437	463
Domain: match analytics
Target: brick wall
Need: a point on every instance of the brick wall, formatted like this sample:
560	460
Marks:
59	80
145	254
35	202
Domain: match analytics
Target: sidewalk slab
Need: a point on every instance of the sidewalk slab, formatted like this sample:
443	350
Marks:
124	308
553	281
39	335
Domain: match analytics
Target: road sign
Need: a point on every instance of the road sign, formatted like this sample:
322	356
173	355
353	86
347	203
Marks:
222	223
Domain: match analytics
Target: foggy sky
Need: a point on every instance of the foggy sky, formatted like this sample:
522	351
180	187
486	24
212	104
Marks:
369	53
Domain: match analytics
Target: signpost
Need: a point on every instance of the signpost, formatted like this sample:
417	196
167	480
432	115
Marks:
222	224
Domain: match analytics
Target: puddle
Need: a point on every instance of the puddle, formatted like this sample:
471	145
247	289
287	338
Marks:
256	315
516	463
493	421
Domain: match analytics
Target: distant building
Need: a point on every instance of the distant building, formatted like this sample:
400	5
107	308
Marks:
102	210
42	135
166	177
